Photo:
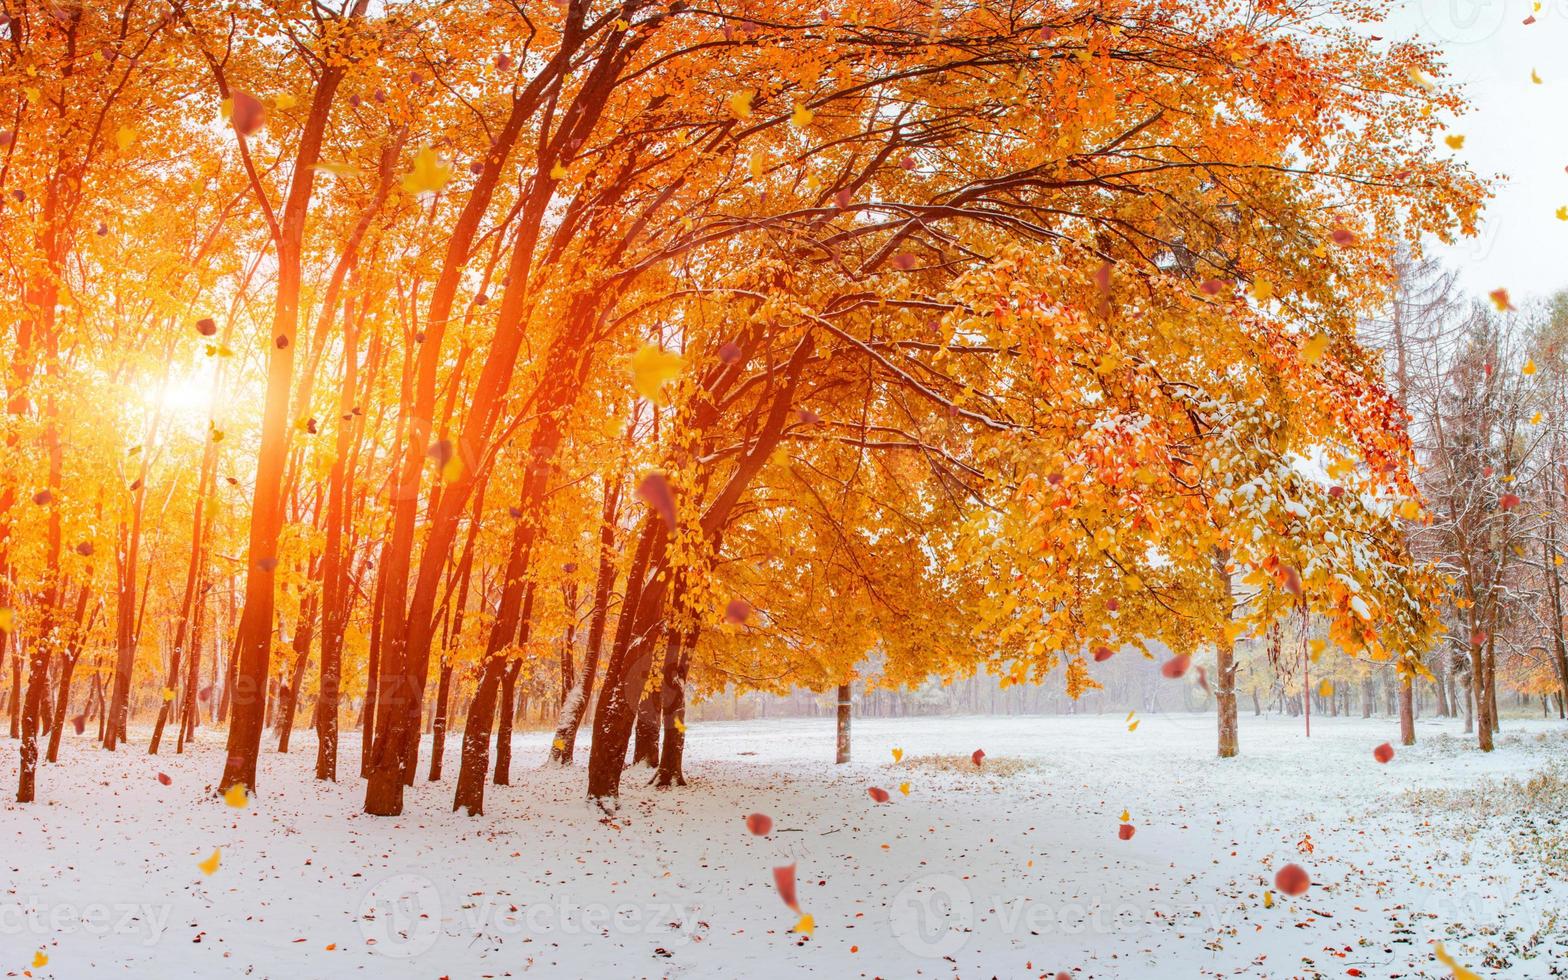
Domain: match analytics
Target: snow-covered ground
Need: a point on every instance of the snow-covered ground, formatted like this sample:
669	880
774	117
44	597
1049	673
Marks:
1011	870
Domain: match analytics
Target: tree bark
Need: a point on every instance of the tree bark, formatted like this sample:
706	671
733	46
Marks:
841	756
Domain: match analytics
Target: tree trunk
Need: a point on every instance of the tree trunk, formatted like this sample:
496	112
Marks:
645	747
844	707
503	729
438	727
576	703
253	639
673	697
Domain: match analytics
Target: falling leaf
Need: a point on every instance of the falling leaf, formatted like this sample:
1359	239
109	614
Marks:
1125	831
1103	653
168	694
1529	367
654	490
124	137
1292	879
1455	142
163	778
898	755
8	619
210	865
558	172
1562	213
784	879
978	756
652	368
903	788
1460	973
805	925
1535	76
801	117
1536	418
1176	666
737	612
759	823
245	113
1326	689
1508	501
39	959
429	175
877	793
1314	348
1383	753
236	796
740	103
559	744
680	725
1268	899
1126	816
1501	300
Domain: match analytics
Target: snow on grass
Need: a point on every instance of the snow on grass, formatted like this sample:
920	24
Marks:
1009	869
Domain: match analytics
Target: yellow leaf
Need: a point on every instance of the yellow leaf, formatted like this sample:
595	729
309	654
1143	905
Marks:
805	925
1317	648
898	755
1314	348
680	726
1455	142
559	743
622	24
283	100
452	469
124	137
168	694
7	619
1133	727
236	796
1460	973
1268	900
429	175
337	169
740	103
802	116
1535	76
651	369
1562	214
1410	510
1126	816
1529	367
31	94
210	865
757	163
1326	689
39	959
558	172
1535	419
903	788
1262	290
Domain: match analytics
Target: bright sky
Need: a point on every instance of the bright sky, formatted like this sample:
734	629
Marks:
1517	129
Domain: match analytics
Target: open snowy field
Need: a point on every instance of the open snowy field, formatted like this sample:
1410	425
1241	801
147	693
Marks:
1012	870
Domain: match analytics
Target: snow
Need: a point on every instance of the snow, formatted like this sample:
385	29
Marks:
101	874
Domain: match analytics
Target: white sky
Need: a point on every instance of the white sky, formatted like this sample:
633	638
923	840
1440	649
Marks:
1516	129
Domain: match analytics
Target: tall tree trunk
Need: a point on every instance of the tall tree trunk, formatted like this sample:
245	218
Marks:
253	639
576	703
672	750
1225	669
645	747
503	728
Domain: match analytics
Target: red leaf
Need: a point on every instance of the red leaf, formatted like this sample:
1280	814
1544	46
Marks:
1176	666
877	793
248	114
163	778
1292	879
1103	653
1508	501
1125	831
978	756
654	490
1383	753
759	823
784	878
